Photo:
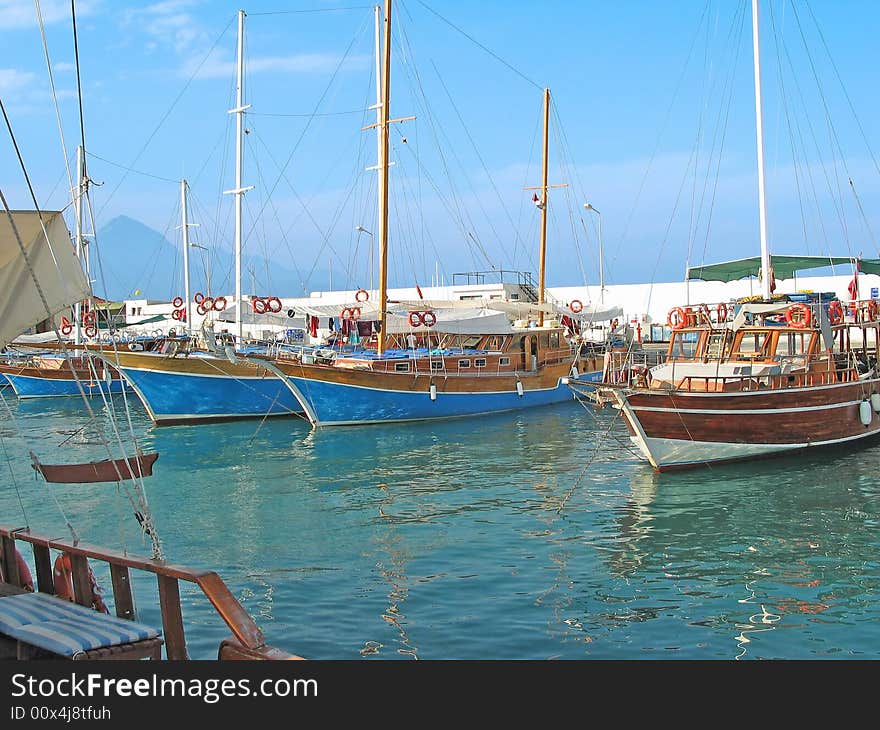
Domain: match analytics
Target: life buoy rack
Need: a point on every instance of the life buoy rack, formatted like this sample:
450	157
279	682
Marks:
798	315
835	312
177	302
721	312
576	306
677	318
62	578
362	295
415	319
219	304
429	319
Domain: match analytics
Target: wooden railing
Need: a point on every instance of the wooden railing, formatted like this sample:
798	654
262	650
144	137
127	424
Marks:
247	640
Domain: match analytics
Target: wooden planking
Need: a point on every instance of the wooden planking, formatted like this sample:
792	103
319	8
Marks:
9	566
82	583
43	564
237	619
172	618
122	597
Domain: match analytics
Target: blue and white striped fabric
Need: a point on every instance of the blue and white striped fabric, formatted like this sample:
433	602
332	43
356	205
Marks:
63	627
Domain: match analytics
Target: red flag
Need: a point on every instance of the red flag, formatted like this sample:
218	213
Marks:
854	284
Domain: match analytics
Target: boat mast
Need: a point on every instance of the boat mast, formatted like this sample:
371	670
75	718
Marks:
544	196
383	184
185	226
239	190
766	270
79	245
377	11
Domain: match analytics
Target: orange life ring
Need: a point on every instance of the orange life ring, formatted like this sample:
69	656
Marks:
259	305
271	305
872	310
66	329
200	308
177	302
835	312
677	318
219	304
91	330
576	306
415	319
721	311
89	318
62	579
25	579
429	319
175	314
355	314
798	315
198	297
208	303
345	313
362	295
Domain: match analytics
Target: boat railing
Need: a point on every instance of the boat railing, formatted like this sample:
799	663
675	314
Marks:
247	641
630	367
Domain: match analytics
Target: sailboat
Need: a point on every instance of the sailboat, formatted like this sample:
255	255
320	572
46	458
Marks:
480	364
759	378
185	385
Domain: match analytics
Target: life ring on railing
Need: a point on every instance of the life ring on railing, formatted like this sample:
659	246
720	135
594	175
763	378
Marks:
872	310
219	304
25	579
258	304
62	578
798	315
576	306
88	318
90	330
721	312
362	295
66	329
175	314
200	308
208	303
835	312
355	314
177	302
677	318
415	319
429	319
345	314
271	303
198	297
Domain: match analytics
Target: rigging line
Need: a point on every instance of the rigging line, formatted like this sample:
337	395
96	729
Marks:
165	115
864	217
662	130
131	169
54	97
321	114
82	126
67	523
832	130
480	45
479	156
11	470
320	101
843	86
316	10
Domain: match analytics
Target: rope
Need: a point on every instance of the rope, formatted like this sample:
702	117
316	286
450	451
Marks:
82	125
131	169
9	462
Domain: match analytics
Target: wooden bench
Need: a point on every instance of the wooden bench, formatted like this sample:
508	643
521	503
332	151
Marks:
43	626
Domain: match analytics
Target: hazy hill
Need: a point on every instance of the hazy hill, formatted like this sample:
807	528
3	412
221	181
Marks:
137	258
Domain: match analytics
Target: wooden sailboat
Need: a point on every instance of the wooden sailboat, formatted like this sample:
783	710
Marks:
782	374
455	373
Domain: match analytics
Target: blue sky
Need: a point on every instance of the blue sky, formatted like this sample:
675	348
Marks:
653	123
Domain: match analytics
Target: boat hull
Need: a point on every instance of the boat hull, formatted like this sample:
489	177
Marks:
680	430
335	396
32	382
177	390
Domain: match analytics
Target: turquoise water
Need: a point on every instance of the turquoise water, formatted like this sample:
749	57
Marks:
533	535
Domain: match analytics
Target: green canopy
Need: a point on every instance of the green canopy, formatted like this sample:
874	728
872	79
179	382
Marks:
784	267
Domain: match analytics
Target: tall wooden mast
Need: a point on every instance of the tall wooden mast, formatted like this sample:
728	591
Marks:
766	267
383	184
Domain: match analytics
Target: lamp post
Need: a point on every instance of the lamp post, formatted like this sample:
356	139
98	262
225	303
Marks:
589	206
361	229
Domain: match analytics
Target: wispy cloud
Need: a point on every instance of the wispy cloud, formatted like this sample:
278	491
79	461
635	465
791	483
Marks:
62	67
303	63
168	24
23	14
13	81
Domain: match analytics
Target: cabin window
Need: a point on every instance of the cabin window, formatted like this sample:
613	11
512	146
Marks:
480	362
436	365
470	342
493	343
554	339
794	343
683	344
715	346
503	362
464	364
401	367
753	345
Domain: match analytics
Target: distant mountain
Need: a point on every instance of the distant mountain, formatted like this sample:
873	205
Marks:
137	261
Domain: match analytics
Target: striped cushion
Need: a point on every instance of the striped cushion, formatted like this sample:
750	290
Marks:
63	627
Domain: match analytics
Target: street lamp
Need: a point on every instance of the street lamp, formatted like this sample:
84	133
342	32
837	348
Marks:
207	261
589	206
361	229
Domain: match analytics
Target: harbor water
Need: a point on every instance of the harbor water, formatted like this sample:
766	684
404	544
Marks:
529	535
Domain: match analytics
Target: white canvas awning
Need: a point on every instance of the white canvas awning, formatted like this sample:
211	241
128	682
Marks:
455	321
251	318
52	259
